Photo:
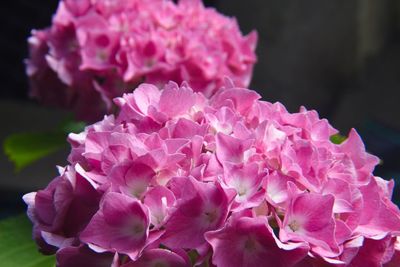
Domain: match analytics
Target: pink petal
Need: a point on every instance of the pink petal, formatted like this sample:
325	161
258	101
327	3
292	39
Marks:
159	200
120	225
84	257
159	257
230	148
248	242
175	101
202	210
306	221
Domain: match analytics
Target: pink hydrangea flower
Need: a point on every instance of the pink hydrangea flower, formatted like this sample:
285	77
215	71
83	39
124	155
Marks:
97	50
233	180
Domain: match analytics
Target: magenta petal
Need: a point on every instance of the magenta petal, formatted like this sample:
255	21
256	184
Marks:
159	257
120	225
363	162
175	101
242	100
249	242
378	215
159	200
65	207
132	178
395	260
84	257
77	7
195	214
246	181
276	188
343	195
306	221
374	253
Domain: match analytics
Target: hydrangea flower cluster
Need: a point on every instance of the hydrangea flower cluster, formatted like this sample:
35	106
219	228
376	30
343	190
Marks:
231	181
96	50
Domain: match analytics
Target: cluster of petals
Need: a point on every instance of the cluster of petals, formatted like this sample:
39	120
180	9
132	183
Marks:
177	179
96	50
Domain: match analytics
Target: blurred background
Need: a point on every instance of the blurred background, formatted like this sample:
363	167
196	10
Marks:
339	57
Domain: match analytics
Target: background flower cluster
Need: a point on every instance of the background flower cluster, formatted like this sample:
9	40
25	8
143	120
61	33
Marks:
232	180
97	50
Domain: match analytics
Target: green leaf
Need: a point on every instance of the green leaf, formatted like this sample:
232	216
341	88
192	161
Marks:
70	126
338	139
17	249
25	148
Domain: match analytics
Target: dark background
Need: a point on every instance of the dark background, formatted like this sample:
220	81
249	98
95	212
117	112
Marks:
339	57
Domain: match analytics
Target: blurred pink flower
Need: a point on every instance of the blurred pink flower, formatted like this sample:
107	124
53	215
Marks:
97	50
